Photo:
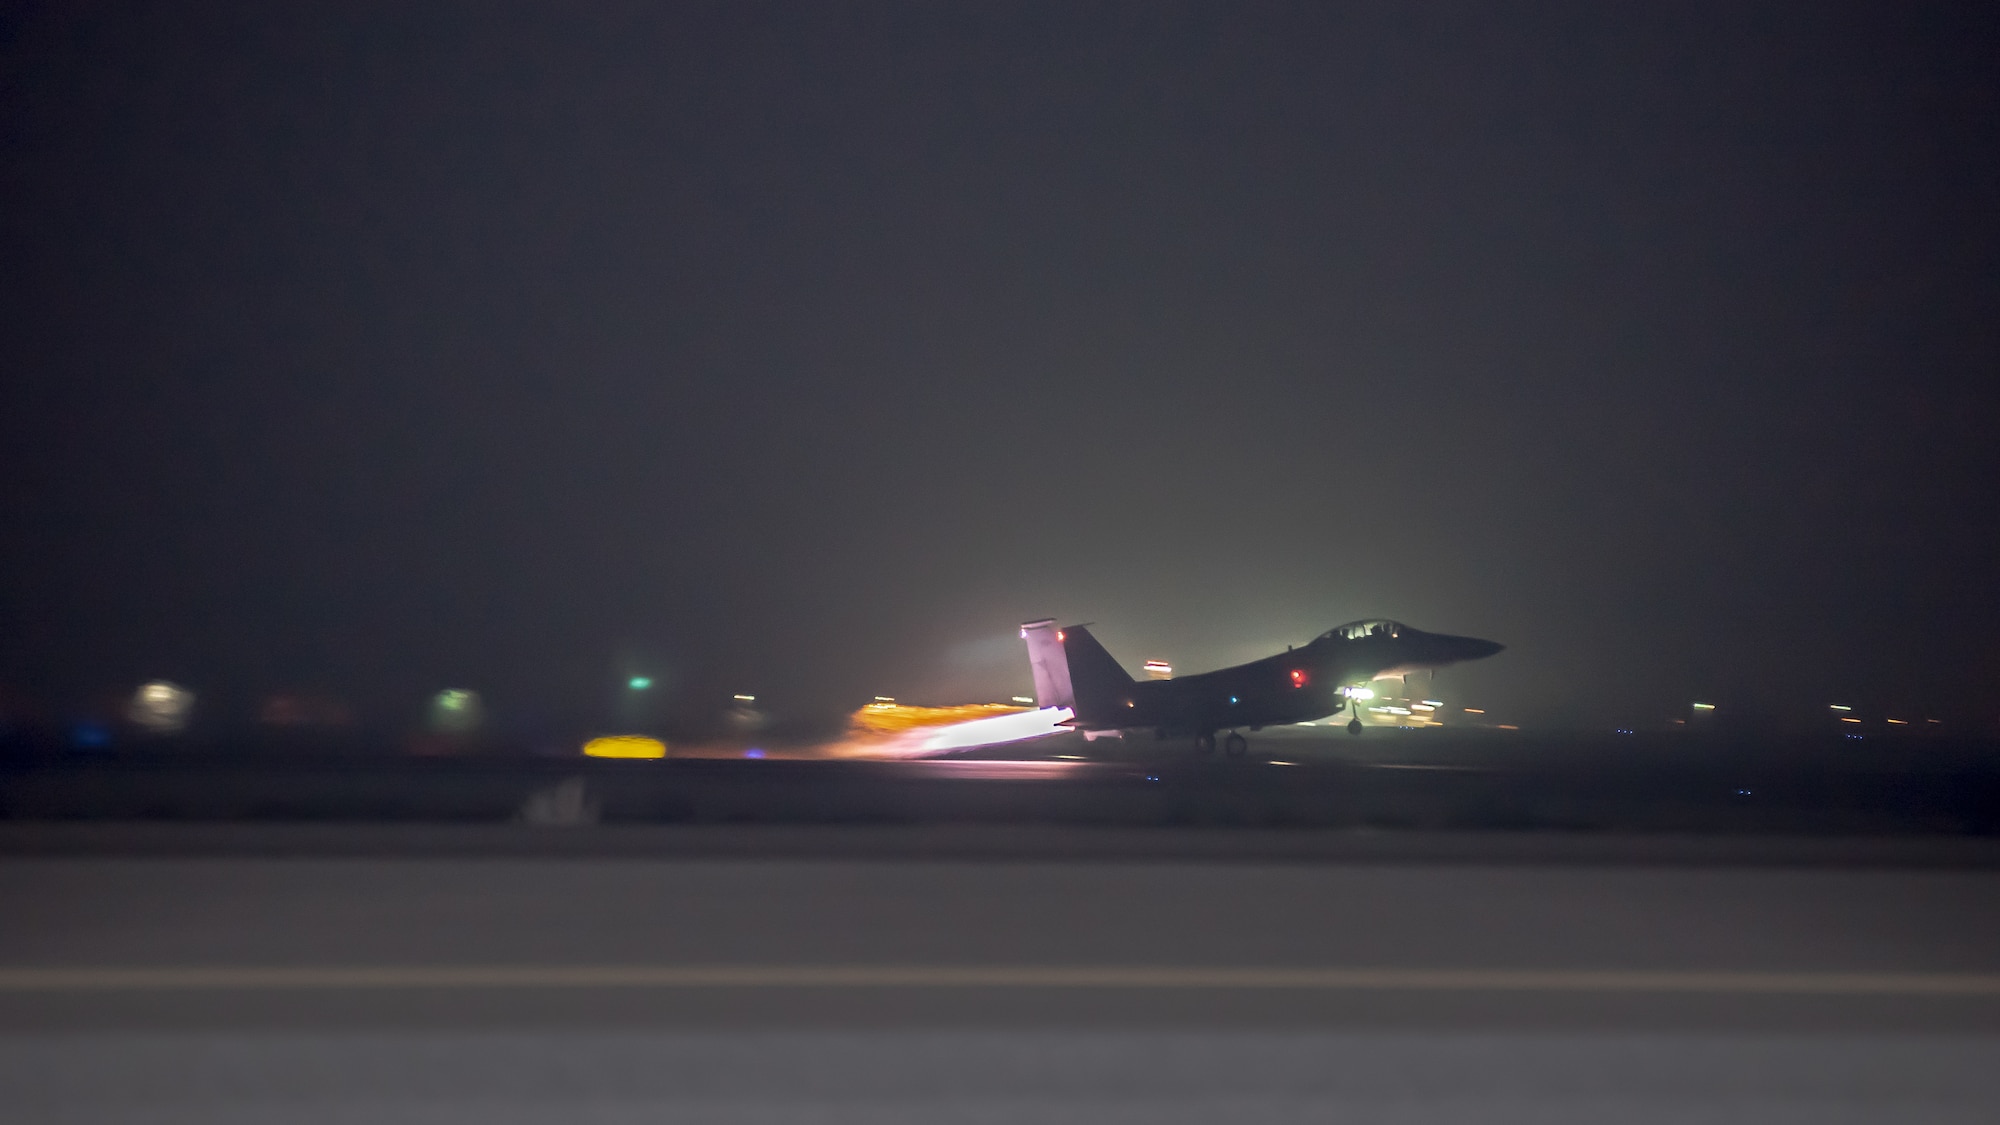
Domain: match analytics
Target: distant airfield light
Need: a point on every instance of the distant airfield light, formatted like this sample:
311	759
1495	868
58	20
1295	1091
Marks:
1704	706
1025	700
1423	707
1930	720
741	698
625	746
1505	726
456	711
160	707
1432	702
1847	719
1474	711
1159	670
1358	692
1839	707
1900	722
159	692
290	710
639	683
753	753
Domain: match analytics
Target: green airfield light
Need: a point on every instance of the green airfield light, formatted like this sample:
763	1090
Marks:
639	683
456	711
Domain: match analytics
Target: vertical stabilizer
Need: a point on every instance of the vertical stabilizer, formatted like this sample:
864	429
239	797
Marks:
1101	689
1051	667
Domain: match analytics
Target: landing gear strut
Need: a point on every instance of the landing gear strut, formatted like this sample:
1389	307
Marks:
1235	745
1351	706
1204	743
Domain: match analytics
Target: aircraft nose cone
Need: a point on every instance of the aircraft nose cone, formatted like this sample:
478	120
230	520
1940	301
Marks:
1477	649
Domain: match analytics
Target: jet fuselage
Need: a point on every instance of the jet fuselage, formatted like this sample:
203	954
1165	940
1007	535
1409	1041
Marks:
1299	685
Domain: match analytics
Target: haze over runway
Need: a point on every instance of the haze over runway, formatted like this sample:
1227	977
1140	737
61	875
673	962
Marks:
800	350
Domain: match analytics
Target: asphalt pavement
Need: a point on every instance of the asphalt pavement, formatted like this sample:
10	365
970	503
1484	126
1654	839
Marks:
1435	983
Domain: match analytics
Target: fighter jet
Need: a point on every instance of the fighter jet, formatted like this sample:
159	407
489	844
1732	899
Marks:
1295	686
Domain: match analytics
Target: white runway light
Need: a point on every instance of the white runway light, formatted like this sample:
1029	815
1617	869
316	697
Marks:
160	707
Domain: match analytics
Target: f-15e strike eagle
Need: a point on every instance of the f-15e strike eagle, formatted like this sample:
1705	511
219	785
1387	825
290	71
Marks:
1295	686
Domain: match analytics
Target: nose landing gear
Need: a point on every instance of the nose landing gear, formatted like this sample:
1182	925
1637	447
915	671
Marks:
1353	707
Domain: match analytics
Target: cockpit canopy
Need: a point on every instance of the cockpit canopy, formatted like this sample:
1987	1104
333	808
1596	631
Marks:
1355	630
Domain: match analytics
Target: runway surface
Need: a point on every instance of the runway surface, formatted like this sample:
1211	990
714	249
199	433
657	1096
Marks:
1294	778
1435	982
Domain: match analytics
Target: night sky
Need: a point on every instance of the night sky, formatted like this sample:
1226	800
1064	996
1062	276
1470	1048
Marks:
806	349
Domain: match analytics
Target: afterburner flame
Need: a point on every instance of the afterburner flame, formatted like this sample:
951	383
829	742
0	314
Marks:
895	730
883	717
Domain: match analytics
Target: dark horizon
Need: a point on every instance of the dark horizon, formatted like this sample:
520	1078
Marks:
806	350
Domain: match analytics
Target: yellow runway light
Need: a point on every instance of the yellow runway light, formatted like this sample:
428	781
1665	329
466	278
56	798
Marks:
625	746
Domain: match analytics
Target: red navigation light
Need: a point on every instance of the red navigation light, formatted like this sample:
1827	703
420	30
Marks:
1059	635
1298	677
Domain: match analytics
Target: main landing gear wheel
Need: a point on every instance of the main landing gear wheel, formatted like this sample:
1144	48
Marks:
1204	744
1235	745
1354	726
